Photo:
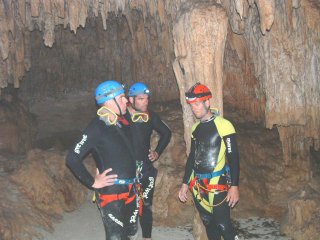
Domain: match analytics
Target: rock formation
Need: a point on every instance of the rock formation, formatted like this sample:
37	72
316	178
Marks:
17	124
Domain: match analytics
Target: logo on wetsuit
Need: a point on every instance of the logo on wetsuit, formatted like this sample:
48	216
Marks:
117	221
229	145
148	189
80	144
133	218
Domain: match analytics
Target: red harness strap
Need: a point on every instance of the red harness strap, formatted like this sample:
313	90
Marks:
192	183
107	198
218	187
208	187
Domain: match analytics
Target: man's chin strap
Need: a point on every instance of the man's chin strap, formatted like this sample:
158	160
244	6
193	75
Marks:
121	114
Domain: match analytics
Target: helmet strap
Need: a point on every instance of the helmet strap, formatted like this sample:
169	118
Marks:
114	99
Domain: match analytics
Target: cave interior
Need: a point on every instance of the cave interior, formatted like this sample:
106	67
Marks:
261	59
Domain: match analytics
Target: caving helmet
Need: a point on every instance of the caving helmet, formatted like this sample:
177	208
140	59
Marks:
198	92
108	90
138	88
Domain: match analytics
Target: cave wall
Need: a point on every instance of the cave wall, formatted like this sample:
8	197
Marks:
274	47
79	62
286	62
268	34
75	44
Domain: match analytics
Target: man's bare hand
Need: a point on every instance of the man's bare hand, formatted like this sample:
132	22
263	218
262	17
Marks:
103	180
233	196
153	155
183	193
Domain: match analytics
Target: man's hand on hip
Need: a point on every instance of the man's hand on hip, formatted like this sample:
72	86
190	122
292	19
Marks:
103	180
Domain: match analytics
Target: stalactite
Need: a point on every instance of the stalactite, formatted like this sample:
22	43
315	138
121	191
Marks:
4	31
266	11
239	4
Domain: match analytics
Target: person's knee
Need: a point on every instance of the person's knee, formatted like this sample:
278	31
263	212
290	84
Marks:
206	220
113	236
147	207
133	237
228	232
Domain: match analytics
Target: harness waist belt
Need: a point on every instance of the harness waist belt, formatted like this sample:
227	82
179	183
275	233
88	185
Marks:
225	169
125	181
107	198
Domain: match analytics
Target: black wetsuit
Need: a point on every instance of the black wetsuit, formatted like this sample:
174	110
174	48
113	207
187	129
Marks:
205	155
141	133
110	147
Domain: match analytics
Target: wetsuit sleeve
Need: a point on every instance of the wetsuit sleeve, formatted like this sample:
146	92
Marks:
190	163
163	130
233	158
77	154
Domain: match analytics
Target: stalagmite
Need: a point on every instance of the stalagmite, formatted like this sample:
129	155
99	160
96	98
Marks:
199	38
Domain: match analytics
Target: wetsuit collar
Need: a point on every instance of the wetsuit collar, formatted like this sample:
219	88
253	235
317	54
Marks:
209	119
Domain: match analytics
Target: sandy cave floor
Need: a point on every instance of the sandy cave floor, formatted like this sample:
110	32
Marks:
85	223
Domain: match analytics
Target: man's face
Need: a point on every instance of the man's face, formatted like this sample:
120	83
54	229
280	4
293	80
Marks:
200	109
140	102
122	102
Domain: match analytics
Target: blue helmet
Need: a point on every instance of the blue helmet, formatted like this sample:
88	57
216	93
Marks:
138	88
108	90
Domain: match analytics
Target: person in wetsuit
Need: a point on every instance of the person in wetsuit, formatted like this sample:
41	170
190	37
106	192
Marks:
108	138
143	121
212	168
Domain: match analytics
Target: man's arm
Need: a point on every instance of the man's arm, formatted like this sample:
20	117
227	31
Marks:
190	163
187	173
165	135
233	158
234	163
77	154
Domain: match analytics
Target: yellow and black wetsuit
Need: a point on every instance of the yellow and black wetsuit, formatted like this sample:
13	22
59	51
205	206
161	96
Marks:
213	146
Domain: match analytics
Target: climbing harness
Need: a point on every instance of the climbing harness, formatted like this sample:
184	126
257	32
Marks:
139	166
107	198
139	190
201	183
